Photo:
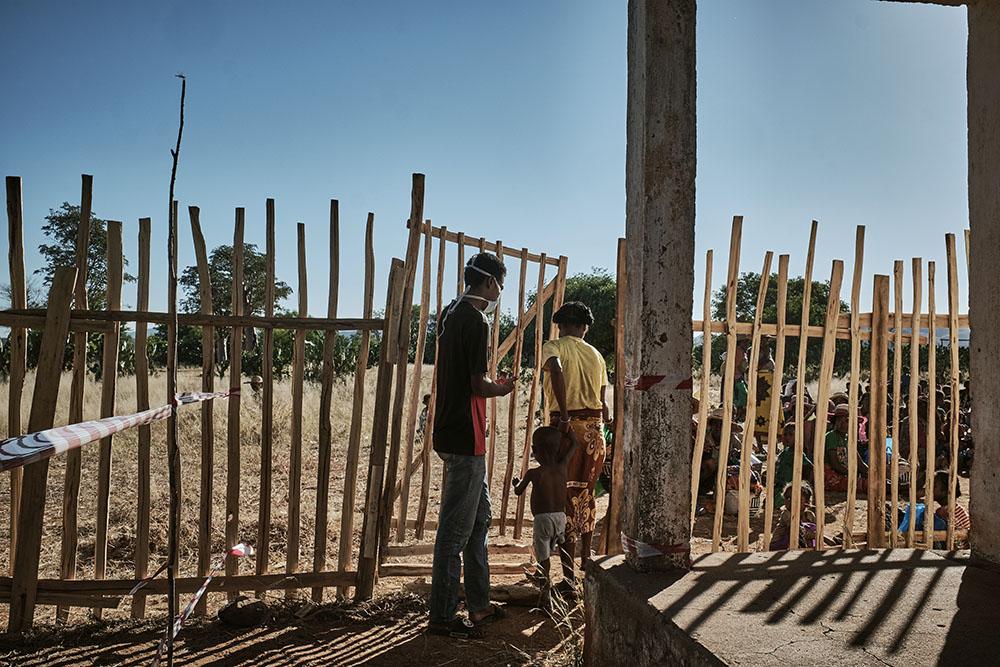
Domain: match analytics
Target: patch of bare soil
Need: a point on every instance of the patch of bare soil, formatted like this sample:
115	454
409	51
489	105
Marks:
388	630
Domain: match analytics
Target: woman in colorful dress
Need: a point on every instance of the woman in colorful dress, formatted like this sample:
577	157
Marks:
575	385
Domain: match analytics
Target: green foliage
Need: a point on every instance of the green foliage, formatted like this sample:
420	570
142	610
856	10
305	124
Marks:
60	228
220	269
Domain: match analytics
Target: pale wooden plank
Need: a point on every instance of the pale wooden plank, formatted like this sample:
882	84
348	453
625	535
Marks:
774	420
109	380
854	382
732	277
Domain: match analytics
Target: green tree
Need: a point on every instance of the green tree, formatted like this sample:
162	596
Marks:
746	304
220	270
61	228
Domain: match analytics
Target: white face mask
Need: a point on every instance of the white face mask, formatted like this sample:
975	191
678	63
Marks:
491	306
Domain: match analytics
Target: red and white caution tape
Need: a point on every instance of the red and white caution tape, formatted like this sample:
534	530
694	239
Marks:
644	550
239	551
647	382
24	449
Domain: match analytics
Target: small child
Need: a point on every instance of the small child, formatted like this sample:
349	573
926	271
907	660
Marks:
782	534
548	492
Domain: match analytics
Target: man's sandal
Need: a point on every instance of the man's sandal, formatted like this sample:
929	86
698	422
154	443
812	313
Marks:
497	613
456	628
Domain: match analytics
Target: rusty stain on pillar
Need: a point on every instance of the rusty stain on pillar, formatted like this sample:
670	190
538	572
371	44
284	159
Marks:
984	297
660	213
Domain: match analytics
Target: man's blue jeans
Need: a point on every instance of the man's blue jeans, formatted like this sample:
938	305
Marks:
463	526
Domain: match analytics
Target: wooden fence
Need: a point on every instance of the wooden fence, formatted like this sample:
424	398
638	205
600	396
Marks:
887	325
508	514
67	311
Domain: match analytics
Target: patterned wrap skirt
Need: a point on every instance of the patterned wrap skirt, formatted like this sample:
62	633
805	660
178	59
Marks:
584	469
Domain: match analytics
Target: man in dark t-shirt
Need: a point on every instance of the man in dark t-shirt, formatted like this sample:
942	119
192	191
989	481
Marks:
460	440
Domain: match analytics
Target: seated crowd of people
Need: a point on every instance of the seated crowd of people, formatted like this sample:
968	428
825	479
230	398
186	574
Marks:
911	456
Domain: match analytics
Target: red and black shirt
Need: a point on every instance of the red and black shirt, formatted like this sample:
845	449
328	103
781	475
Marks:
459	414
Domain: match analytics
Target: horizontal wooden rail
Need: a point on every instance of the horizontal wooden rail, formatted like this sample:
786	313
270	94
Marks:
473	242
526	319
35	318
424	569
186	584
402	551
38	322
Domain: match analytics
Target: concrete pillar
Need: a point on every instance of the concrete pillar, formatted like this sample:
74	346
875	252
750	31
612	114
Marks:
984	300
660	208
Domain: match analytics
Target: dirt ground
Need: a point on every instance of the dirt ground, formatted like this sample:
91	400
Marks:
387	631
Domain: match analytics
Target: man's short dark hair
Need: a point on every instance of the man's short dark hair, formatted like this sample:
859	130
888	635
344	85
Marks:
487	262
574	312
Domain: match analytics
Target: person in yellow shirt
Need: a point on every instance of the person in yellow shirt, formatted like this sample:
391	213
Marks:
575	385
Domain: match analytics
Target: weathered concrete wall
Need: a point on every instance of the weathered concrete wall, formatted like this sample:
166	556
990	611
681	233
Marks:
984	300
625	628
660	209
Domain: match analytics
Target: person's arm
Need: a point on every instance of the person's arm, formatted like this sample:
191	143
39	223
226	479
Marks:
521	484
483	385
605	411
555	371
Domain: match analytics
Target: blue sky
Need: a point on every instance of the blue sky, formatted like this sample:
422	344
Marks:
849	112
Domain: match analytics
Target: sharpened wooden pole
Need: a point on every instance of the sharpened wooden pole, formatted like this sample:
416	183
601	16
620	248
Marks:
930	445
295	440
206	305
512	400
732	279
773	421
346	544
952	258
109	378
743	489
144	490
233	438
897	383
529	425
800	394
823	395
74	460
913	410
18	343
854	384
326	405
24	582
267	405
876	440
617	500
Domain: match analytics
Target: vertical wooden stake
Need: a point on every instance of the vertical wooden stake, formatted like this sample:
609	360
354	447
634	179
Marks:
346	543
614	523
267	405
109	375
416	383
374	497
773	420
732	278
461	263
854	383
800	393
206	306
399	348
18	342
233	425
949	240
897	380
71	484
914	401
425	472
876	440
929	451
823	394
512	400
326	404
529	426
24	582
494	343
295	441
144	492
743	522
